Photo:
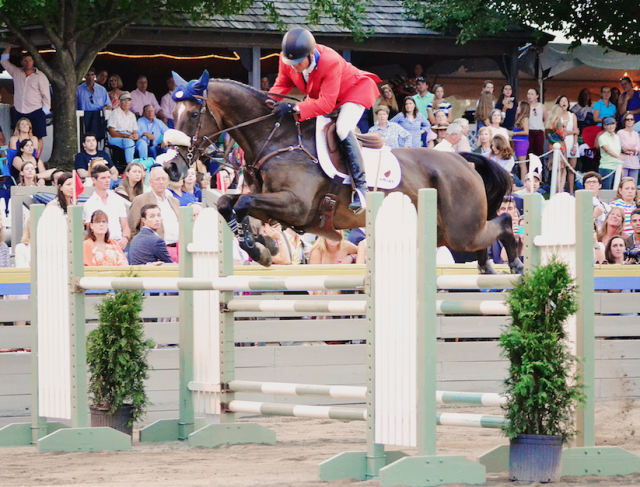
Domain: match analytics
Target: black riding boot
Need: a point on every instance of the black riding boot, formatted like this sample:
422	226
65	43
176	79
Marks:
356	168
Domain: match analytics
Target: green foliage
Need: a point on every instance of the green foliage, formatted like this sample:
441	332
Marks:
117	354
541	387
611	24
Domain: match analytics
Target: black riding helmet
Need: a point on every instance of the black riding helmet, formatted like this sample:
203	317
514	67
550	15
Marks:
297	44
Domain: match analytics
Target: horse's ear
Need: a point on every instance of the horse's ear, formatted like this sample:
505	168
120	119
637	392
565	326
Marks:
204	79
179	80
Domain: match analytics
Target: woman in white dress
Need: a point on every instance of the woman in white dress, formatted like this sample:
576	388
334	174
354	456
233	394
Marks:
571	133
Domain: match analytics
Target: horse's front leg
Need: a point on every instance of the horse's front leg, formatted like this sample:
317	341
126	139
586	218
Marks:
282	206
225	208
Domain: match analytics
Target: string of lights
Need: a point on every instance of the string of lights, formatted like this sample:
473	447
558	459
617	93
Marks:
235	57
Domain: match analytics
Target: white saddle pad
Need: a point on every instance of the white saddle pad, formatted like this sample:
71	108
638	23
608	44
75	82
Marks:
380	162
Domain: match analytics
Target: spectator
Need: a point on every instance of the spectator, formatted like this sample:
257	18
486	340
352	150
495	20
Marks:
612	225
99	249
537	121
501	153
571	133
333	252
633	240
453	134
531	183
23	249
392	133
520	136
290	246
556	129
31	94
22	132
177	189
115	87
630	145
483	110
610	152
102	78
614	251
203	181
111	204
140	98
28	175
412	121
190	185
167	104
4	249
423	97
495	119
484	138
132	183
593	181
629	100
603	108
93	98
388	99
91	153
615	95
25	154
583	109
464	145
439	103
123	128
147	247
488	87
64	198
169	228
264	84
441	132
497	252
507	105
151	132
627	199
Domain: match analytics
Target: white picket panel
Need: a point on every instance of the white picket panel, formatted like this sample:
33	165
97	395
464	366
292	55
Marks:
395	322
54	336
206	307
558	237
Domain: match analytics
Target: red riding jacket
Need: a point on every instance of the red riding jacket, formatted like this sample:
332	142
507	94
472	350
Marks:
332	83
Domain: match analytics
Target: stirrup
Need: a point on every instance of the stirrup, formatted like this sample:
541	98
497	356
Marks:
356	204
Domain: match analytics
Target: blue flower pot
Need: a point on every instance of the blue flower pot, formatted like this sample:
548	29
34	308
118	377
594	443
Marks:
535	458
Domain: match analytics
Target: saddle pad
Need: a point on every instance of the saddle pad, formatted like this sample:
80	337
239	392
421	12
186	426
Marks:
379	162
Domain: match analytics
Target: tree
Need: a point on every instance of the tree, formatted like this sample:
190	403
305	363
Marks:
79	29
609	23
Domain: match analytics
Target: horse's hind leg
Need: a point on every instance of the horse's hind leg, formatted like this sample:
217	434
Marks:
484	266
498	229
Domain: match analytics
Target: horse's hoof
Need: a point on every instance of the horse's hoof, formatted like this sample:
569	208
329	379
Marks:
264	258
486	269
270	243
516	267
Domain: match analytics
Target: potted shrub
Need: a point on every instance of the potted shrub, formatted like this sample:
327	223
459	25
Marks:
542	386
117	359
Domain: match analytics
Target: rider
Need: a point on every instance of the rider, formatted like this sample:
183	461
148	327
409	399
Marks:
330	82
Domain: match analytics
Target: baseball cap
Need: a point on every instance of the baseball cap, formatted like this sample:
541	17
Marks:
609	121
421	79
125	95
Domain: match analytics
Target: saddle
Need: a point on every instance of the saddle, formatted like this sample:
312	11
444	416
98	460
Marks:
370	141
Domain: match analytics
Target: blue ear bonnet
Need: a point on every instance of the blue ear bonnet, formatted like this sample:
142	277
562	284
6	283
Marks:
190	90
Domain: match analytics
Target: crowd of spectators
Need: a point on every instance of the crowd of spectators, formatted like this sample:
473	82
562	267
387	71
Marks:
410	114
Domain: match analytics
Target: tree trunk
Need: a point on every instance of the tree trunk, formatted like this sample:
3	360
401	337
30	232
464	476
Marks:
65	142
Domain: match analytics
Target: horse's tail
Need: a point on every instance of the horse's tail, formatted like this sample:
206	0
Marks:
497	181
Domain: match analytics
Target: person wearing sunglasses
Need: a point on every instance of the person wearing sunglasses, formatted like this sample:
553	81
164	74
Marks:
630	141
629	101
92	99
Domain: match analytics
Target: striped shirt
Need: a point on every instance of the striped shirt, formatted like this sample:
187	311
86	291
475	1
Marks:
628	209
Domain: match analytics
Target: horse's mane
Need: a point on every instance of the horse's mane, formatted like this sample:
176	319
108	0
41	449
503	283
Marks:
251	89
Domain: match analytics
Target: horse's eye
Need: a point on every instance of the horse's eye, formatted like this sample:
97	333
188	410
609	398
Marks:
194	114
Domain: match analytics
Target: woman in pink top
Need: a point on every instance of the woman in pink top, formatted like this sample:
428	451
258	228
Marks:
99	249
630	142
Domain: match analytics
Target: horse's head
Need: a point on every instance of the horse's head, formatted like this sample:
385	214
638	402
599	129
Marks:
192	123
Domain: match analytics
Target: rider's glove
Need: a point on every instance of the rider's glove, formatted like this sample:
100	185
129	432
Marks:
281	108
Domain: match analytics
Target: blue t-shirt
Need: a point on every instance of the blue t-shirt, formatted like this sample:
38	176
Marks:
185	199
605	111
634	104
83	159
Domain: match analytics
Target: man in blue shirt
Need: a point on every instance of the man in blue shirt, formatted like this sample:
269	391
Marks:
151	131
147	247
93	98
91	152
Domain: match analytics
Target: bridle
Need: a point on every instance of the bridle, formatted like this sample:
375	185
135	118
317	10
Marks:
251	168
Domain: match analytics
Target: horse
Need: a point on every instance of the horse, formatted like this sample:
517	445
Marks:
287	185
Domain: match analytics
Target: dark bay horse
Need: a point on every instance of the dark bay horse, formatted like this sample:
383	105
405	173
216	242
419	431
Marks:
289	186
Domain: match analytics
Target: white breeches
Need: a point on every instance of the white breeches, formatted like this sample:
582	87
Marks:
349	116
